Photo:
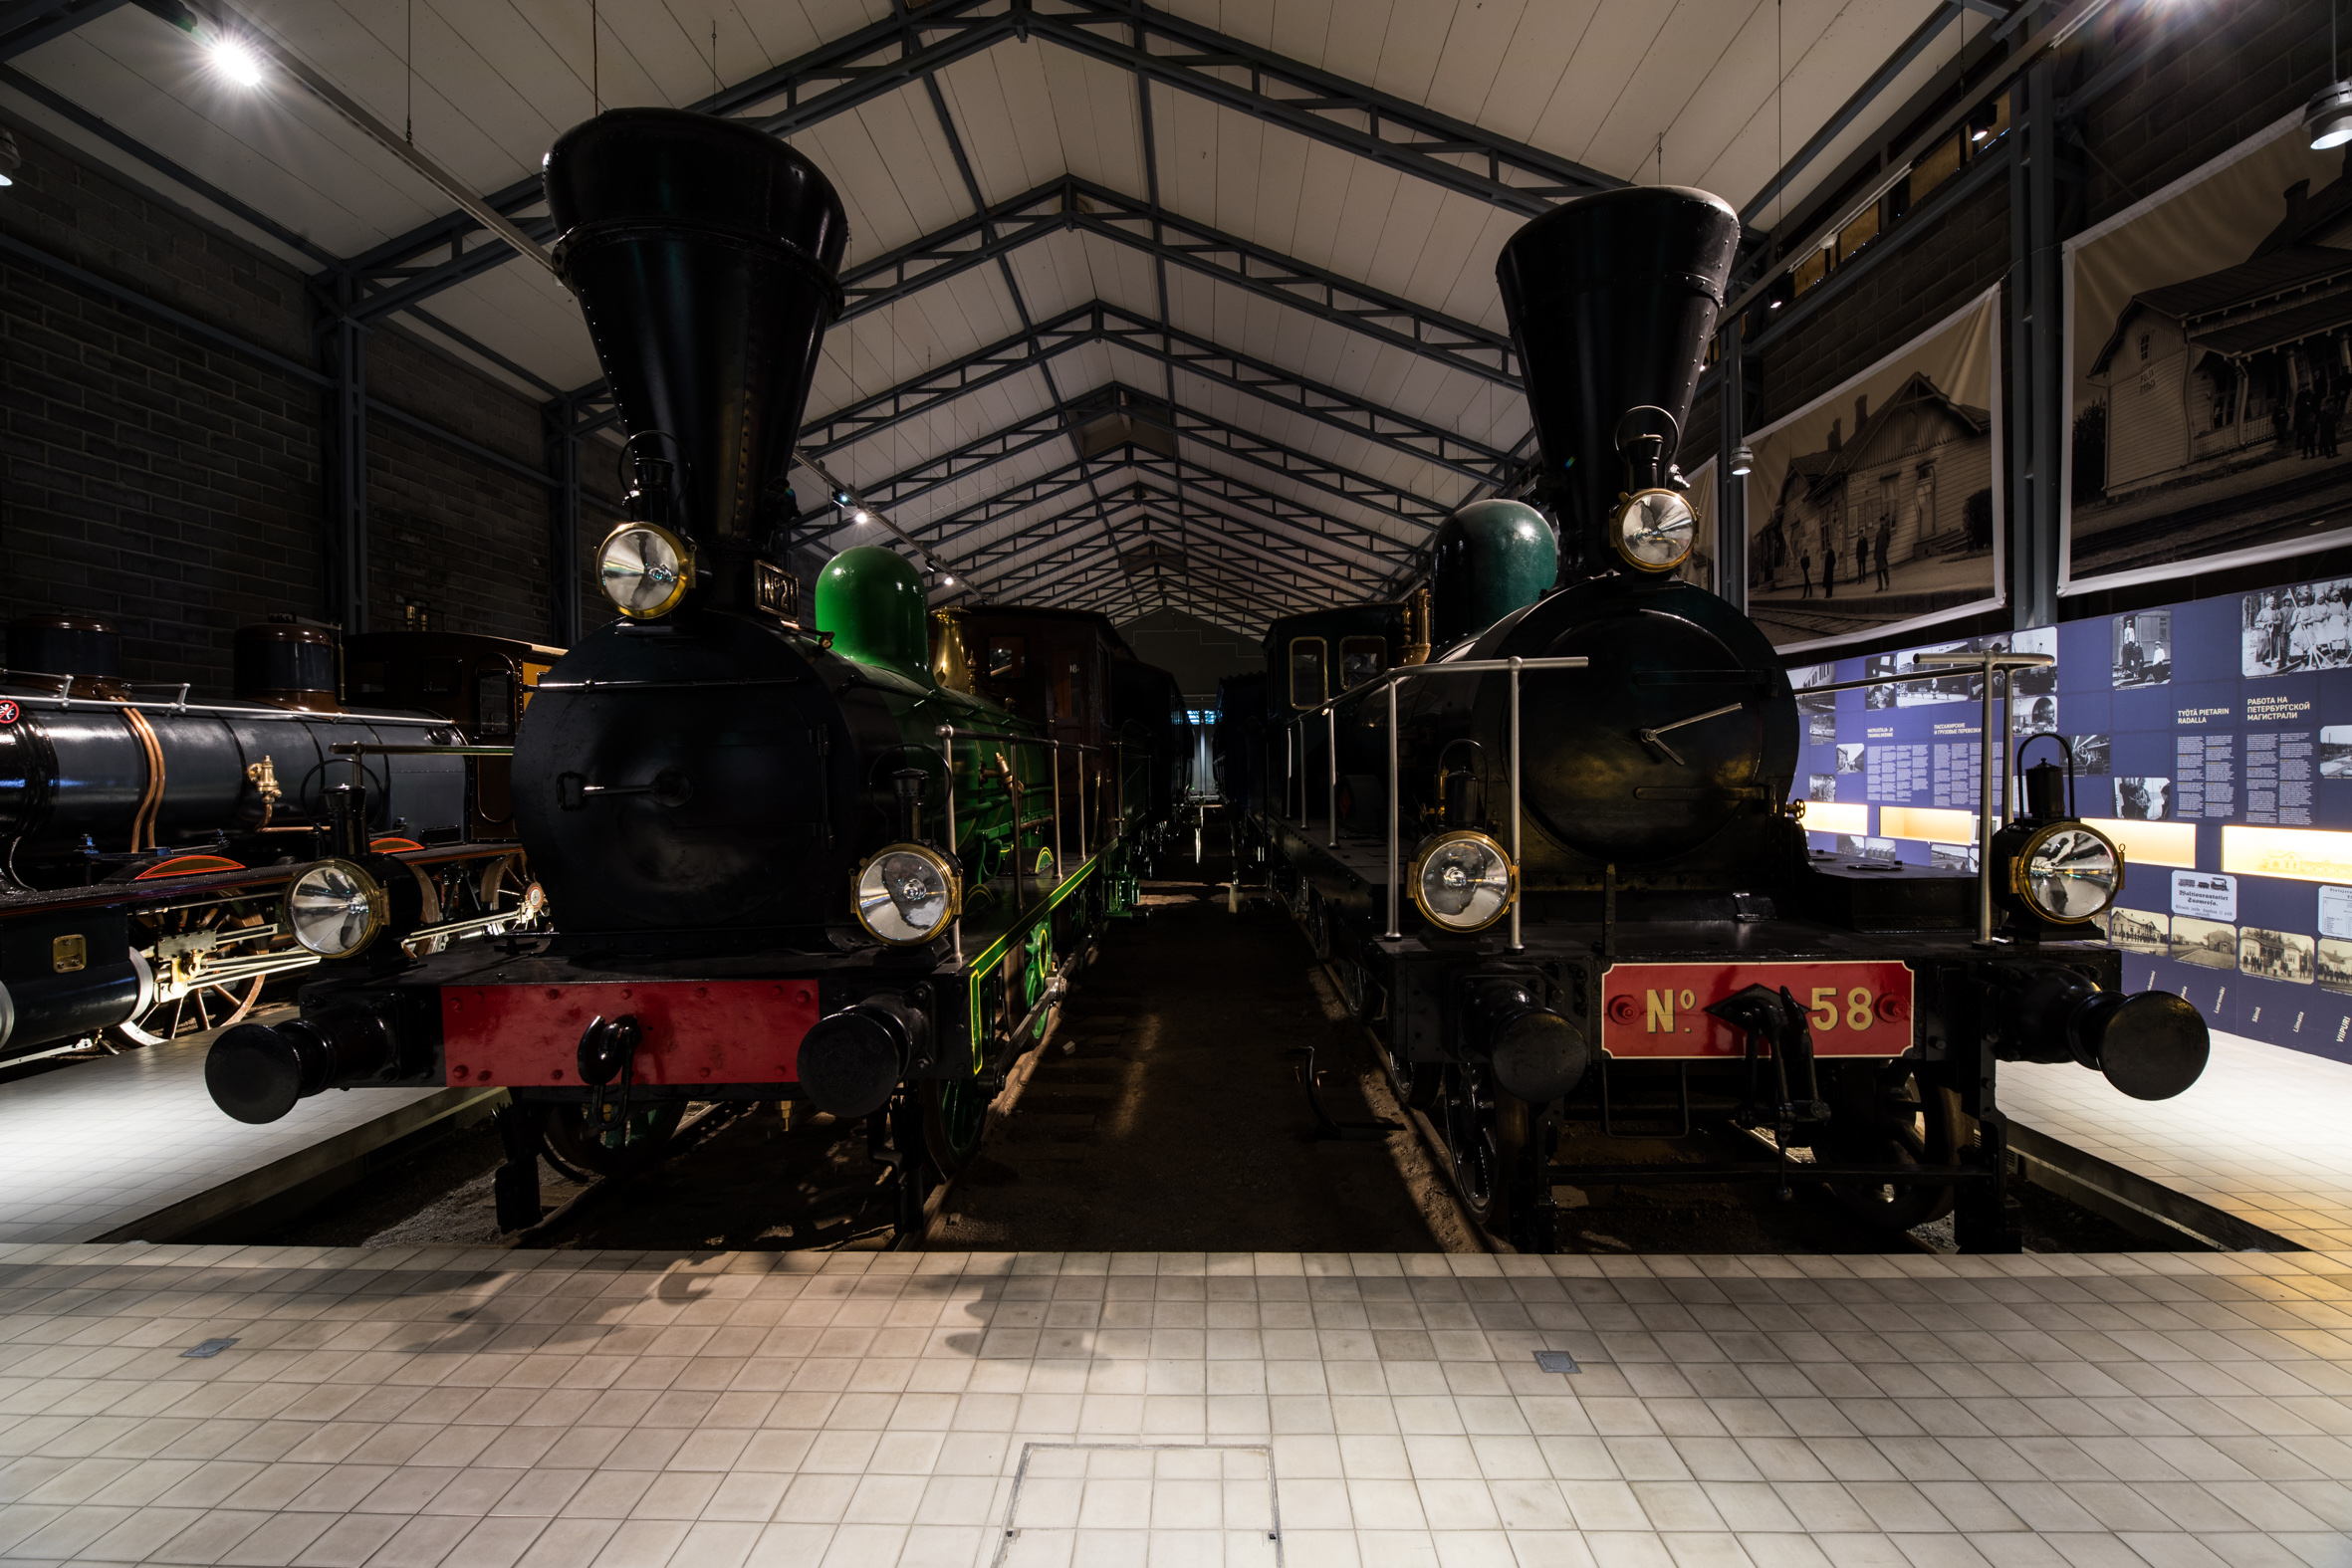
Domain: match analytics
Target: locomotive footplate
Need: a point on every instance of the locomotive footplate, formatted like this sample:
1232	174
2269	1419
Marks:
561	1018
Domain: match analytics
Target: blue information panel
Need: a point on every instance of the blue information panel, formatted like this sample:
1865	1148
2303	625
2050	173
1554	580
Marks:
2212	740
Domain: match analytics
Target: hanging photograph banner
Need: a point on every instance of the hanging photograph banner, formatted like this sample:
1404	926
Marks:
2208	358
1874	507
1698	567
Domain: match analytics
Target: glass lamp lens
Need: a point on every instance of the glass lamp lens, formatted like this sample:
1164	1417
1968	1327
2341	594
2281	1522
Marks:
905	895
334	909
2071	873
1465	884
641	570
1657	528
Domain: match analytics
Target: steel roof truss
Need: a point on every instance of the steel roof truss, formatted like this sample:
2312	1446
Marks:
1390	131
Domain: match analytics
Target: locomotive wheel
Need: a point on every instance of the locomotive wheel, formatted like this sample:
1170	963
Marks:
1417	1082
1907	1123
185	1002
955	1114
1474	1140
192	1012
621	1145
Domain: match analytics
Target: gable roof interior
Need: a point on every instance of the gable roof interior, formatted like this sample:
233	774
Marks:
1369	421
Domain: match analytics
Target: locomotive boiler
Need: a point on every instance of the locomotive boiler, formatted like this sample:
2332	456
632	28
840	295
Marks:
786	858
148	840
1558	868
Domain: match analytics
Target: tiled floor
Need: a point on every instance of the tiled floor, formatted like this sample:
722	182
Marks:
2266	1134
94	1146
478	1409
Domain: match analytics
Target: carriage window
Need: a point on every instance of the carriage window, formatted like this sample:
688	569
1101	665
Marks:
1360	658
1306	672
439	677
494	702
1005	659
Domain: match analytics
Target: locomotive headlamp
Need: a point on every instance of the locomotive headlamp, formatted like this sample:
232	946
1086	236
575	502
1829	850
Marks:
2067	871
1464	881
335	909
907	893
1655	530
645	570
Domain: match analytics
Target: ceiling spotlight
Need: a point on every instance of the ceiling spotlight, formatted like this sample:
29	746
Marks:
10	157
236	61
2329	117
860	517
841	495
1742	459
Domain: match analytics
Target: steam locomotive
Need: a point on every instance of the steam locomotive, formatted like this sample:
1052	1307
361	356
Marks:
790	855
1554	857
147	841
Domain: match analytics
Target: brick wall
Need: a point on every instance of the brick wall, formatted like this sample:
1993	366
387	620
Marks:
2229	68
174	487
150	478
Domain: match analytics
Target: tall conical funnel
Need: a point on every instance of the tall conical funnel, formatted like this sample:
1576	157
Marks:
704	253
1611	299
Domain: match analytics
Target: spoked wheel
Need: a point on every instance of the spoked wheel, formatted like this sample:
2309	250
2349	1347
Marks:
192	1010
1475	1142
1417	1082
1899	1123
617	1145
185	1001
955	1114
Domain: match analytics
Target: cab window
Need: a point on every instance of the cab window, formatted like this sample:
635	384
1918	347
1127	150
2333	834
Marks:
1007	660
1360	659
1307	689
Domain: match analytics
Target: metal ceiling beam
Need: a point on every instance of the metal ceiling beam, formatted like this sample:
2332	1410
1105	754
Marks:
1080	566
1117	399
1078	587
870	63
1341	575
1099	322
1855	107
878	60
1391	131
1072	203
1432	443
32	23
1278	519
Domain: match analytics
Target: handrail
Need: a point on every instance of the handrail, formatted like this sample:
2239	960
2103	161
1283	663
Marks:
1989	662
947	736
1392	679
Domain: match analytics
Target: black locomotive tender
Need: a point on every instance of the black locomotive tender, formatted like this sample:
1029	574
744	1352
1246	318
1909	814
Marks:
149	843
1558	868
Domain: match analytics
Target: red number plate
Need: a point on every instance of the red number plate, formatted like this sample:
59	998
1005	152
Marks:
1857	1007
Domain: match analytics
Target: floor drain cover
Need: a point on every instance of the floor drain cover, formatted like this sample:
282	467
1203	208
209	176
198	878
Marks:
1555	1361
210	1347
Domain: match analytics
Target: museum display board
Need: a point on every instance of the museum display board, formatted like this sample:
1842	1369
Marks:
1873	508
2212	740
2209	355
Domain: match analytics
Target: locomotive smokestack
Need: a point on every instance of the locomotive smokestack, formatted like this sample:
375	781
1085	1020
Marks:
1611	299
704	253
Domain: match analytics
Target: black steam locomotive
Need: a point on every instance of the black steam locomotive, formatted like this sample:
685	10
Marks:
1557	866
790	855
147	842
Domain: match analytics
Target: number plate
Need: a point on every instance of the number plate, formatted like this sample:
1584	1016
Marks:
1857	1007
